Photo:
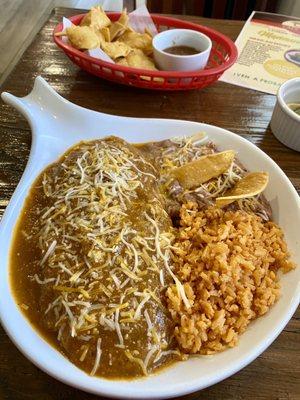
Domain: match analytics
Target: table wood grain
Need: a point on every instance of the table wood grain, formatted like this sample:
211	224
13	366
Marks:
273	375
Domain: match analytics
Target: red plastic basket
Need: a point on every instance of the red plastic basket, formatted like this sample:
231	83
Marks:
223	55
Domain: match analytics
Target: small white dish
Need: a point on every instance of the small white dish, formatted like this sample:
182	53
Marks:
285	123
181	37
56	125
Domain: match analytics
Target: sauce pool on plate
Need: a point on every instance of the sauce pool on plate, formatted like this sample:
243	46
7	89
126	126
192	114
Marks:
181	50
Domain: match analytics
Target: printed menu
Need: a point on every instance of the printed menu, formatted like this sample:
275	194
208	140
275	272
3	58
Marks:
269	52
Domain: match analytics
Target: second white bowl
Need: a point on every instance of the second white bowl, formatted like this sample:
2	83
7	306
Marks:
285	123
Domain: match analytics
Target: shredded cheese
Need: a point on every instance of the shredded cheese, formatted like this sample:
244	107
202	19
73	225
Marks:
97	358
97	260
49	252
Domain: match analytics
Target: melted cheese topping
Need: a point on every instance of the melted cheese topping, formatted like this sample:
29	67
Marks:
95	257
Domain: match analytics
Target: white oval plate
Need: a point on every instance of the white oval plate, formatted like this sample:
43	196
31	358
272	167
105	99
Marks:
56	125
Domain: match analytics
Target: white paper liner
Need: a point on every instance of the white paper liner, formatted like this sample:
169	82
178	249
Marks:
66	24
100	54
139	20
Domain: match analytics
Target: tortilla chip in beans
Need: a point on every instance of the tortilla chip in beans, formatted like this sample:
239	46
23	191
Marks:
250	185
194	173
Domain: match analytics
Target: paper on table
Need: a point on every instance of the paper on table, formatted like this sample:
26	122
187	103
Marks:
269	52
139	20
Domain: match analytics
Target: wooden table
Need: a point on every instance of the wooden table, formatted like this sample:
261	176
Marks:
273	375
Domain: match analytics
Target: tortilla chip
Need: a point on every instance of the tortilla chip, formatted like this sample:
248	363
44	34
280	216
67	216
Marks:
119	27
129	29
116	49
106	34
61	33
141	41
116	29
197	137
195	173
148	32
82	37
122	61
137	59
124	18
100	37
250	185
95	19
